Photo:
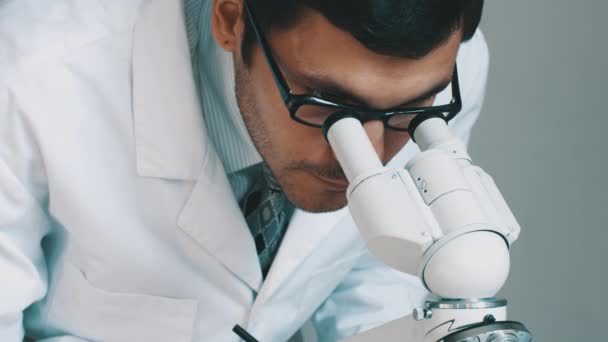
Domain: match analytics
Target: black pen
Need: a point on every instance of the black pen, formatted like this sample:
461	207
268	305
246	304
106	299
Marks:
243	334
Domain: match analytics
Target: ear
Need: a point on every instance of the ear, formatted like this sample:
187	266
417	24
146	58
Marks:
227	23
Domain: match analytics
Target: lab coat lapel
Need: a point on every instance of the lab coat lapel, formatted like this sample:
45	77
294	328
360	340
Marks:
213	218
171	142
304	233
167	117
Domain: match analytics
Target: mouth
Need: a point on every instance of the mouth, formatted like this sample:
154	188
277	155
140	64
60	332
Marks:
337	185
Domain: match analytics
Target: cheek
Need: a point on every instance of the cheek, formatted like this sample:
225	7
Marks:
286	140
301	142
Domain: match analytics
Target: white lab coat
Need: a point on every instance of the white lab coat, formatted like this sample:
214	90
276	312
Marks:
117	222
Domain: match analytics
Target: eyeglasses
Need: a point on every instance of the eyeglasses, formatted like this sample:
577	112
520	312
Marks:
313	110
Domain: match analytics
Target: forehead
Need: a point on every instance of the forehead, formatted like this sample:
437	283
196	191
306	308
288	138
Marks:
315	47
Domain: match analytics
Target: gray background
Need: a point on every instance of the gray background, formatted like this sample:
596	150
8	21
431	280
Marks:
541	136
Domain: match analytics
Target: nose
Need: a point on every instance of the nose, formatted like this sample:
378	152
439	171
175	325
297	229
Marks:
375	131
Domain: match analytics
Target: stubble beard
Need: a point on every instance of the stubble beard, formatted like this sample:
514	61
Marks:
280	169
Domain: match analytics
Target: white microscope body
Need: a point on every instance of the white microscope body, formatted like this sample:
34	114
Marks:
440	218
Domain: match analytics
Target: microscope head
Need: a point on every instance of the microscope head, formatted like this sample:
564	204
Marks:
440	218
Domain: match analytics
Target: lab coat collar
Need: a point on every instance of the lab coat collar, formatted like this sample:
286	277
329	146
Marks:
170	140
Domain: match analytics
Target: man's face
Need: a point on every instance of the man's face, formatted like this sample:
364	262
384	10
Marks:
315	56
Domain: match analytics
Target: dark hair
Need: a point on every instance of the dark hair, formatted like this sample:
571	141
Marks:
404	28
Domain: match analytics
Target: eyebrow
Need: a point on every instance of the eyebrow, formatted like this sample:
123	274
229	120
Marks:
335	89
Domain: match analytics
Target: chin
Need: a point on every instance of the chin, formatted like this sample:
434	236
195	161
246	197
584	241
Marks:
319	202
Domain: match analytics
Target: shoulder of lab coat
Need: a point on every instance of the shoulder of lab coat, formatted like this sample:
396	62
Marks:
23	220
33	33
473	64
373	294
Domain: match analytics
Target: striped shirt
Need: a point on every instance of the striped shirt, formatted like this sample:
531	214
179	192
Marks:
214	76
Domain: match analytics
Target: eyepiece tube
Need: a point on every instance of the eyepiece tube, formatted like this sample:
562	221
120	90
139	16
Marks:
429	129
351	145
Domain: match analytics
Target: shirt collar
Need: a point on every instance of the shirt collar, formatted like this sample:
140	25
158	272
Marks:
214	74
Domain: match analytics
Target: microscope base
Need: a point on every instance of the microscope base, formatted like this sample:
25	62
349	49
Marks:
479	320
506	331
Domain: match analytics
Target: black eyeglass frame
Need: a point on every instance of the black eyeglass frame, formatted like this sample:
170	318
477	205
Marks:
294	101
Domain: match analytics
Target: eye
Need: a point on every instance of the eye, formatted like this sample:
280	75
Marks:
321	94
426	102
421	102
329	96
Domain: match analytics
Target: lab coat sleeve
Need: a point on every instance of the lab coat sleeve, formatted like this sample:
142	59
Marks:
23	218
372	294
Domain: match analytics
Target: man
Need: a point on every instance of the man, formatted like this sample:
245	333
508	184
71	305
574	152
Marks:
157	182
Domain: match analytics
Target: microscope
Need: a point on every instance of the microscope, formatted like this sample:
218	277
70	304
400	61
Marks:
440	218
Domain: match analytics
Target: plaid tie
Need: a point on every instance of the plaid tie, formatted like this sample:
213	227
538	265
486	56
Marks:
267	212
